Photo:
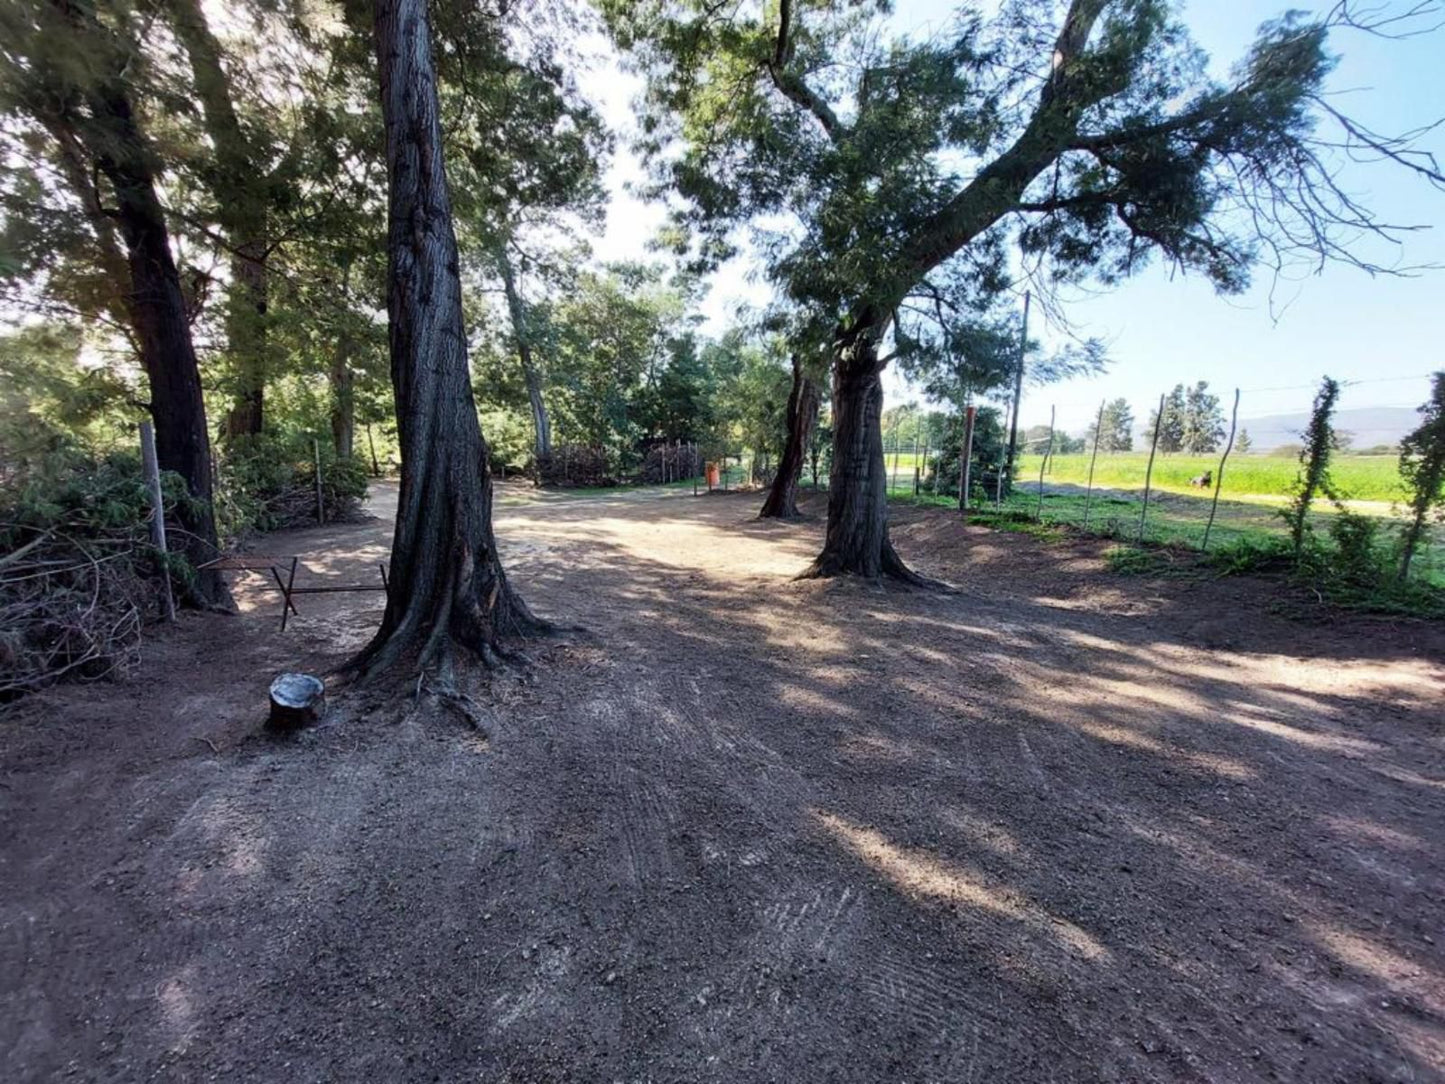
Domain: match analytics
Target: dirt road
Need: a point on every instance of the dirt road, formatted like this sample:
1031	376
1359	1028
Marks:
1060	826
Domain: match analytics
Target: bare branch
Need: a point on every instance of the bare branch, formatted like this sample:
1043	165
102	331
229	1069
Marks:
792	85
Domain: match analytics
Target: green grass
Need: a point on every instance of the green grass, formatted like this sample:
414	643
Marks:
1174	519
1356	477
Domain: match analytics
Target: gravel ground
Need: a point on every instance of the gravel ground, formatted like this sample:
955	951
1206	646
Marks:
1058	826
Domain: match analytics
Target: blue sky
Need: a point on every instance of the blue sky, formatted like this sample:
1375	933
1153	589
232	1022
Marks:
1387	333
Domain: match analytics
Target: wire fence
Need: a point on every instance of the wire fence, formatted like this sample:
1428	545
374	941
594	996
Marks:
1236	486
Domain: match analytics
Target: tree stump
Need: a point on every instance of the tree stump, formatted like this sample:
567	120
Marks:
297	700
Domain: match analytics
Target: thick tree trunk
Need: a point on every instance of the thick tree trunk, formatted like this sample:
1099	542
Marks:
447	583
343	400
782	499
247	339
240	186
158	314
857	540
541	426
343	382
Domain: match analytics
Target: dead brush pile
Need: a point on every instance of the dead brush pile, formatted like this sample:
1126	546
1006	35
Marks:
670	463
575	465
78	579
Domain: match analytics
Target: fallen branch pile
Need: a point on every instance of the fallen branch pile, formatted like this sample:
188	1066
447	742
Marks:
575	465
71	608
670	463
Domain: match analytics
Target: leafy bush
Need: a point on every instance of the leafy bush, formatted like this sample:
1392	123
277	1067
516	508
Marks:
269	484
1354	569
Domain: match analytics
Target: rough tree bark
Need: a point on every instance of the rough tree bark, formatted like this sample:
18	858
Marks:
343	399
242	213
541	426
857	540
782	499
169	359
448	587
155	306
857	537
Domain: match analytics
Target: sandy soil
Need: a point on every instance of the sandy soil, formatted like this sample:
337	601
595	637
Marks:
1059	826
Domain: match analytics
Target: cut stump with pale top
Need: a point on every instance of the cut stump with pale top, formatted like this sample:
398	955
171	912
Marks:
297	700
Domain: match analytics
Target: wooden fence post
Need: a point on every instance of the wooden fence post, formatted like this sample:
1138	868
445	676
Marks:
1219	478
966	468
1039	512
151	466
1149	470
1089	492
320	502
371	443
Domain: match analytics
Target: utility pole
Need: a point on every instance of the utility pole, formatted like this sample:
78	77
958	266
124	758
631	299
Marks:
1013	429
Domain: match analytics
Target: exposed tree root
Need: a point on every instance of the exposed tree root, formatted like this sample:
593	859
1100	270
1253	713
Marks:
830	565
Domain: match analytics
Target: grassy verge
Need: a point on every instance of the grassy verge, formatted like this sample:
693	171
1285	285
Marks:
1357	477
1246	537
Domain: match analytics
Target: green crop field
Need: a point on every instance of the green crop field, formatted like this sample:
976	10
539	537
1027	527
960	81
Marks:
1356	477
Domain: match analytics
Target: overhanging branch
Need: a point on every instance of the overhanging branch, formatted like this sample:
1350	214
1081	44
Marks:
790	84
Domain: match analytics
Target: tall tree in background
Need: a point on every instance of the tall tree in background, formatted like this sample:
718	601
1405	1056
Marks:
1089	136
802	418
527	153
448	587
1115	427
522	339
803	405
1203	420
68	68
1171	427
239	177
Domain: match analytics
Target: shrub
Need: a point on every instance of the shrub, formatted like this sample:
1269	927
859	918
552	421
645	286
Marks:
1314	458
267	484
1422	465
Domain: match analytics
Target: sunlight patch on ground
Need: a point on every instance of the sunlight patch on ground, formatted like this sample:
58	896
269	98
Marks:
1398	972
1330	742
982	832
177	1007
1132	739
683	544
1363	831
919	874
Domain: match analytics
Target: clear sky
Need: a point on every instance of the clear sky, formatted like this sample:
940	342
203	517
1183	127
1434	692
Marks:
1387	333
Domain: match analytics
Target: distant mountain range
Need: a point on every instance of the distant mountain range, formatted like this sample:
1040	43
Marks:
1368	426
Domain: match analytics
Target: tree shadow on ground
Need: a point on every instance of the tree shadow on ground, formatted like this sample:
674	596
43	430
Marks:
764	829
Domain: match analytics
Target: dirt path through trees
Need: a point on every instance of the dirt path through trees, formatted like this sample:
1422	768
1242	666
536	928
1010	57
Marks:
1059	826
